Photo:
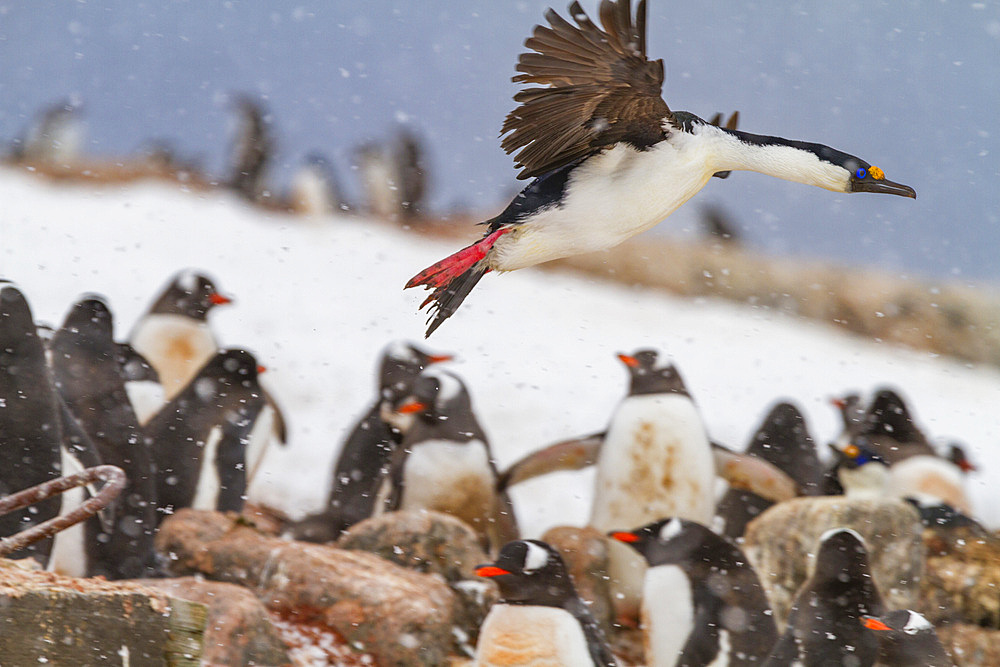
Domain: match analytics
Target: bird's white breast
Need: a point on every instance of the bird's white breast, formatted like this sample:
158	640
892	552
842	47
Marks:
176	346
929	479
667	614
609	198
531	636
656	462
206	495
449	477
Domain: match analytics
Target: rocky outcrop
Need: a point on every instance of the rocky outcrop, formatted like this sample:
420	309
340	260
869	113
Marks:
239	630
56	620
781	544
962	579
971	645
436	543
399	616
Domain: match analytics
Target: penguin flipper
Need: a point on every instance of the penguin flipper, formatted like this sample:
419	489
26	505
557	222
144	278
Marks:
574	454
751	473
278	425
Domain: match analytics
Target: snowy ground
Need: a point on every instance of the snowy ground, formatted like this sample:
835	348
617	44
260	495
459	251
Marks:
317	300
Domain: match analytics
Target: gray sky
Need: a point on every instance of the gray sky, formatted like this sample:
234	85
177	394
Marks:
912	87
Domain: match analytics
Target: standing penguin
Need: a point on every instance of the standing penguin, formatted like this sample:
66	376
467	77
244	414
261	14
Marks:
90	378
199	439
364	457
540	619
907	639
30	423
702	602
824	625
444	462
783	440
174	334
656	461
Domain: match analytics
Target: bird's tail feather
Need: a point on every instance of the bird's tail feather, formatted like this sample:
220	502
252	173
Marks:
453	278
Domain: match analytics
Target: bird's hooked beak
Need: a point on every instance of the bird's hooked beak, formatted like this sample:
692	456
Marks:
873	179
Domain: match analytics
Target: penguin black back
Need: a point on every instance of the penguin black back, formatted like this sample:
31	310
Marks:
89	375
192	436
824	625
731	621
783	439
30	429
190	294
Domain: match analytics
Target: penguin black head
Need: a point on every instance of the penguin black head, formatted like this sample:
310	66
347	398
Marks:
402	361
435	395
856	455
668	541
907	638
227	369
530	572
191	294
135	367
956	454
646	378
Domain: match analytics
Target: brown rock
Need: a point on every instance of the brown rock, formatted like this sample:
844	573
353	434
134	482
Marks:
239	630
438	543
961	581
585	551
970	645
781	544
400	616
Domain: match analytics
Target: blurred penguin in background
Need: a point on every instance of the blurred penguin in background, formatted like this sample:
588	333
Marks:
314	190
252	148
55	137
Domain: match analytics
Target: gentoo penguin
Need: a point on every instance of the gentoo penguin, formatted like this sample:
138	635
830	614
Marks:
656	461
702	602
938	515
852	415
364	457
860	472
890	431
539	619
607	159
56	136
379	180
314	188
174	335
411	173
199	439
444	462
824	625
30	422
252	148
783	439
90	377
907	639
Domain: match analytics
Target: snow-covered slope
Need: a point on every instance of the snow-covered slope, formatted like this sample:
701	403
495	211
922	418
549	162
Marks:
316	301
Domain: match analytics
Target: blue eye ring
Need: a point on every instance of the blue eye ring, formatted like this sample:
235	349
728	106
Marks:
861	173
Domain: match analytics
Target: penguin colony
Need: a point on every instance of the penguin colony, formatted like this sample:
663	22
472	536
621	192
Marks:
72	401
697	599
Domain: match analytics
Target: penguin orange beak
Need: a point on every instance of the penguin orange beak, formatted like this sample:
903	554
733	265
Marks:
622	536
873	623
411	407
438	358
490	571
218	299
261	369
838	403
966	466
629	361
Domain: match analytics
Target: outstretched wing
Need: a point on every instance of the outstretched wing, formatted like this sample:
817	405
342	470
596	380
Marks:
598	88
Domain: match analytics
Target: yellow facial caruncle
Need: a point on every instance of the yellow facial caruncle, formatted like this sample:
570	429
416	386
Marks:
876	173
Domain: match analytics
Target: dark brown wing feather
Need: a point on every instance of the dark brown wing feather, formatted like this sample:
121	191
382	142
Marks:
599	89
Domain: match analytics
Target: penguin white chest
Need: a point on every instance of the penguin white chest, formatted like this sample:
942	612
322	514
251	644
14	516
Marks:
656	462
667	614
176	346
531	636
450	477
